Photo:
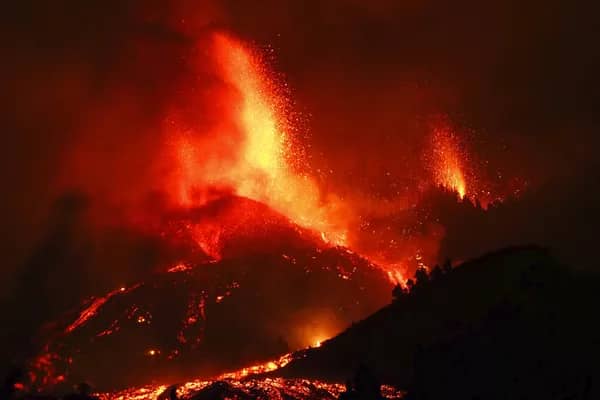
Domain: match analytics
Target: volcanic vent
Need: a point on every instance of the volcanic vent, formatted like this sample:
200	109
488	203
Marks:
262	263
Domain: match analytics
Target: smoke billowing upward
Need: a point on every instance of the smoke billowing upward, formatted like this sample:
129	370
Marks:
116	111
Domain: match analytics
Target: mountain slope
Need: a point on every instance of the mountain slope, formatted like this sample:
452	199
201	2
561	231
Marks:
270	287
505	324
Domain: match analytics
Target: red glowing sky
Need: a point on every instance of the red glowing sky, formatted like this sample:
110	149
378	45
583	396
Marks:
92	91
342	117
255	150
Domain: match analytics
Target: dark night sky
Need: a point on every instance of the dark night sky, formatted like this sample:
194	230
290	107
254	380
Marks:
520	77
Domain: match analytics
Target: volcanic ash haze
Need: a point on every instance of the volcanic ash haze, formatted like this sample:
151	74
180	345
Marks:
169	200
250	226
251	151
165	114
255	263
166	144
106	97
229	128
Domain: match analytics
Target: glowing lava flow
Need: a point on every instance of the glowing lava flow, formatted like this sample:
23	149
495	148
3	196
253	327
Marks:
92	309
153	391
267	388
243	382
448	161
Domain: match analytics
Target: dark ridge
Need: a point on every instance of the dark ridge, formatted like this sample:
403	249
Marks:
509	324
277	288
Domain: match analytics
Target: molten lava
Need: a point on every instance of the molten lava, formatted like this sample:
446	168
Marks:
239	190
254	155
448	161
245	384
251	388
249	150
91	310
263	299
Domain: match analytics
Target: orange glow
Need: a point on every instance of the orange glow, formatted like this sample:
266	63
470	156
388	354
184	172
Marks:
253	156
395	275
243	380
259	368
181	267
152	352
252	152
92	309
267	146
448	161
318	340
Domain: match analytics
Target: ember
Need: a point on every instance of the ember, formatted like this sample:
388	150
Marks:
265	167
448	161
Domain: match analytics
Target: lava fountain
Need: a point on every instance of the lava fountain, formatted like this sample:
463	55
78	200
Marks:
448	161
254	156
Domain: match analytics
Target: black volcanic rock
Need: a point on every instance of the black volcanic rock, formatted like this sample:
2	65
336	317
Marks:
512	324
276	288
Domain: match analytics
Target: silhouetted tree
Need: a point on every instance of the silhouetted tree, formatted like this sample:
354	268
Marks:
169	393
421	277
410	285
348	394
436	273
447	267
83	391
398	292
363	386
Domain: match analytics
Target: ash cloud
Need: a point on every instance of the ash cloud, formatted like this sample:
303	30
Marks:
86	89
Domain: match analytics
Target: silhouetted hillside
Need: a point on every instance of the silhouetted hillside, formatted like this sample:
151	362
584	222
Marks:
274	287
512	324
563	215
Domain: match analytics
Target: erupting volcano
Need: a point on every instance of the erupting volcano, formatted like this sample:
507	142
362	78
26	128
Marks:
448	161
255	155
299	200
260	261
260	270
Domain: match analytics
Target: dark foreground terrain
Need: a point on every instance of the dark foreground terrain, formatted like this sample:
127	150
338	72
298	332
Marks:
513	324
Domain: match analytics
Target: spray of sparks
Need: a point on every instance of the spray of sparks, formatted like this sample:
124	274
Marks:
448	161
251	153
261	167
